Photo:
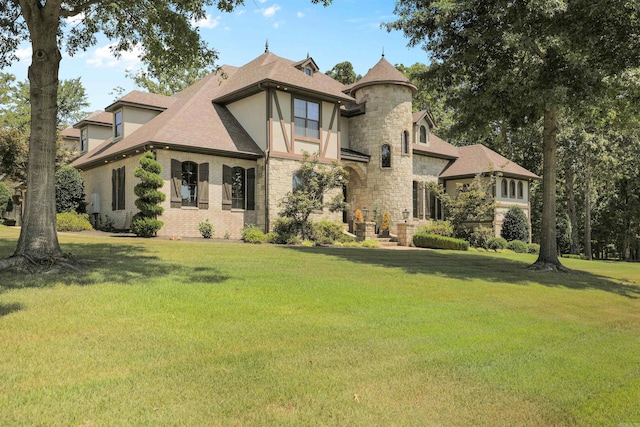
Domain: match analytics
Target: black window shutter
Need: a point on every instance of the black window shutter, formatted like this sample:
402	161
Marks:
226	187
176	183
203	186
251	189
121	187
114	188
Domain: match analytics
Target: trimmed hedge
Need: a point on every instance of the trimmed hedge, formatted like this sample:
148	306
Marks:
433	241
497	243
71	221
518	246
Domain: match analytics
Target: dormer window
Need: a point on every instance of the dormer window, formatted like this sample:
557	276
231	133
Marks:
117	124
423	134
308	71
84	140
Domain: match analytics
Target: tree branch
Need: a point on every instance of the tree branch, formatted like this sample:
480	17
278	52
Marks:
64	13
537	51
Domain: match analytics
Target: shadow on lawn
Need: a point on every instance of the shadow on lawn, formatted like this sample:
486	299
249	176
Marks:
113	263
469	266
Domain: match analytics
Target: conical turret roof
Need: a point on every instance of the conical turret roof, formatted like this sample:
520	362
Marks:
383	73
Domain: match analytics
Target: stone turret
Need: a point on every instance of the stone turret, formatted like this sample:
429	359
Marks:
388	95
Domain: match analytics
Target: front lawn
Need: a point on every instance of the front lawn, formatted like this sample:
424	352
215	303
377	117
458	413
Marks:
194	332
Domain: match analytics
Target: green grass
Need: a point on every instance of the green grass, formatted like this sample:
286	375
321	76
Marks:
195	332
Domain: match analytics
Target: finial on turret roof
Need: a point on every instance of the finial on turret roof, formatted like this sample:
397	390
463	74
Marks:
266	47
307	55
383	51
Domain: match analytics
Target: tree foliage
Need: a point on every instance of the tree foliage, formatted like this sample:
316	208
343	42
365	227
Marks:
70	195
5	196
515	225
145	223
517	63
343	72
312	181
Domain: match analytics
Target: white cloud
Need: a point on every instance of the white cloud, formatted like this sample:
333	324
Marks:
278	24
103	57
23	53
207	22
270	11
262	1
300	14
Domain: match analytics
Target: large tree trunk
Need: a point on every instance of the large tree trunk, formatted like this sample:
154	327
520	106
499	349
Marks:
38	238
571	204
587	211
548	257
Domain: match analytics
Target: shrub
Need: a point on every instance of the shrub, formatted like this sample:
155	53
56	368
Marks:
285	230
386	221
480	237
533	248
440	228
9	222
5	197
497	243
145	227
72	221
359	217
69	190
518	246
515	225
370	244
326	232
434	241
149	197
206	229
252	234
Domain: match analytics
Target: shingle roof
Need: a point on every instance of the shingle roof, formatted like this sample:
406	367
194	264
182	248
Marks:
190	123
383	73
437	147
270	68
426	114
142	99
100	118
476	159
70	132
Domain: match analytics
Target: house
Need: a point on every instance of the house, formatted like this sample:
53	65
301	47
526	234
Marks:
230	144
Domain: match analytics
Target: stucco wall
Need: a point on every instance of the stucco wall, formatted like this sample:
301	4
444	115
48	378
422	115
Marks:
251	113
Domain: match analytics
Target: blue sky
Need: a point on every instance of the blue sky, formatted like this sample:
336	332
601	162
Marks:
348	30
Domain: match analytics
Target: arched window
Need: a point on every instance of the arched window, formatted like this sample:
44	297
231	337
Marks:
189	184
423	134
405	142
385	156
512	189
504	188
520	190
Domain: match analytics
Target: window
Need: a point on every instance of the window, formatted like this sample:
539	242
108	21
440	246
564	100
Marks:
308	71
189	184
405	142
435	207
117	189
84	140
385	156
189	188
423	134
512	189
239	188
520	190
416	188
117	124
307	118
504	188
418	200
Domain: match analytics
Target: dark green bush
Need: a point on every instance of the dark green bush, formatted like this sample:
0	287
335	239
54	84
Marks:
424	240
515	225
518	246
72	221
480	237
252	234
497	243
286	231
145	227
440	228
8	222
533	248
69	190
326	232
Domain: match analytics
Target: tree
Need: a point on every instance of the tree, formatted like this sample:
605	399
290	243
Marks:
162	29
311	182
170	80
5	196
69	190
469	206
520	62
145	223
515	225
343	72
